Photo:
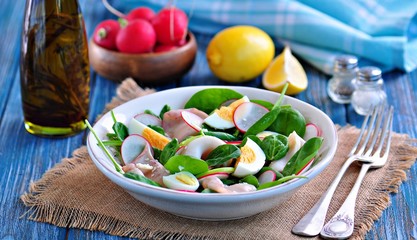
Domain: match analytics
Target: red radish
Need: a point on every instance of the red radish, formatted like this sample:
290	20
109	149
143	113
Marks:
170	25
306	167
105	34
267	176
148	119
246	114
137	36
312	130
132	147
182	42
234	142
220	175
192	120
164	48
144	13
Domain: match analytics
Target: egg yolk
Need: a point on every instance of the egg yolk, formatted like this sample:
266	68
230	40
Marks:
227	112
247	155
155	139
186	179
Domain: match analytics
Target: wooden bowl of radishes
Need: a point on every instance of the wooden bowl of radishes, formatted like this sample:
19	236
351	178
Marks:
152	48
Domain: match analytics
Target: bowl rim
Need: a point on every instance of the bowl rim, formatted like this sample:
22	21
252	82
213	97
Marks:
134	186
183	48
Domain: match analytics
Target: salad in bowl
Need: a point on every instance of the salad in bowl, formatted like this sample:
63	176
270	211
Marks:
205	152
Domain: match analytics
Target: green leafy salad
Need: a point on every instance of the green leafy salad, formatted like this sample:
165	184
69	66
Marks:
219	142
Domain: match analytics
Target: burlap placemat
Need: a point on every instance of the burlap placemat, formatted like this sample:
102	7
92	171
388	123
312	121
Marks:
75	194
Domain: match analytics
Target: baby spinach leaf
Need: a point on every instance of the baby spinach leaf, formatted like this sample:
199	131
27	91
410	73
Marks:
289	120
263	123
169	151
141	178
222	154
302	156
220	135
278	182
266	104
119	128
275	146
113	143
164	109
209	99
251	180
190	164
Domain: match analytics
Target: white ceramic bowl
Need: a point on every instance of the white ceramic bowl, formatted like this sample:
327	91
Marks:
209	206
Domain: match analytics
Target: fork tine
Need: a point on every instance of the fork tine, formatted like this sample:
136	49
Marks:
387	128
377	130
369	130
363	127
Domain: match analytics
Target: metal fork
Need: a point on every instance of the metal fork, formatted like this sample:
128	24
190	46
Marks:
341	225
312	223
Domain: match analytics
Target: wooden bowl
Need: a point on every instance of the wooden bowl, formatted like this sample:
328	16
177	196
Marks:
149	68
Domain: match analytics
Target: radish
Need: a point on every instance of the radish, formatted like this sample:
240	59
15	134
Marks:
164	48
312	130
148	119
218	175
137	36
234	142
267	176
192	120
170	25
105	34
141	13
246	114
132	147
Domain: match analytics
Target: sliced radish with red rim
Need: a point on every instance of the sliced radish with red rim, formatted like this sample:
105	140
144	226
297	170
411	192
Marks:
312	130
267	176
148	119
193	120
132	147
247	114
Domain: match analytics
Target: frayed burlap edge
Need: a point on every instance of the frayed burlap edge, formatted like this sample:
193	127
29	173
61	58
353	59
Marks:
405	157
128	90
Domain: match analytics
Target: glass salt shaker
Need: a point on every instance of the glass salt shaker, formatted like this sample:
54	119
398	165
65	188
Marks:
369	92
340	87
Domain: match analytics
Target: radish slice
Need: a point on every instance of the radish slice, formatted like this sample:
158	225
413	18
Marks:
306	167
148	119
246	114
312	130
132	147
219	175
267	176
234	142
192	120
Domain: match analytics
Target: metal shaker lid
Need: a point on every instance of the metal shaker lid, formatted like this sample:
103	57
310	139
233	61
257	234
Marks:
345	62
369	74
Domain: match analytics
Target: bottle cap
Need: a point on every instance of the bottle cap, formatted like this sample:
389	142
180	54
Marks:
345	62
369	74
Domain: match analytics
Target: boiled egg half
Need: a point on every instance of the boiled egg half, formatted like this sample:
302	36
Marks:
251	159
156	139
184	181
222	118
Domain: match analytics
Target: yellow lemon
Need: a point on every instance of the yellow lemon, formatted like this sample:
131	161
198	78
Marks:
285	68
240	53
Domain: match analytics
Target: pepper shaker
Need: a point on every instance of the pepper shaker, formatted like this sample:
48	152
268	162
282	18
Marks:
340	87
369	92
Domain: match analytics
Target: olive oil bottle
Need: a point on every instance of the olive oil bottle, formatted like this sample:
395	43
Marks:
54	68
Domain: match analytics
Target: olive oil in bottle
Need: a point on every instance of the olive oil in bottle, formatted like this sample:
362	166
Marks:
54	68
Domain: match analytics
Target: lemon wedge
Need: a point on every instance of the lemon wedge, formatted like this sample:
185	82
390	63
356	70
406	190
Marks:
285	68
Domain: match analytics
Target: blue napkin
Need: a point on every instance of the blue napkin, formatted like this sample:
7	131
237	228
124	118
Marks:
380	33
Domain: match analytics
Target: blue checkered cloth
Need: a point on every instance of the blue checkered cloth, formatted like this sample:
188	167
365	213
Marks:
381	33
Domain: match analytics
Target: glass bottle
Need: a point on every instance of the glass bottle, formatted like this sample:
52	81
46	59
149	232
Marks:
369	92
340	87
54	68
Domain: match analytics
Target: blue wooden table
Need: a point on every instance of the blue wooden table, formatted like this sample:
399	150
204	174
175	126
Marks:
24	158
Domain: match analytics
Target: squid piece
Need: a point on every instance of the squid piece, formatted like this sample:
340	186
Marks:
179	126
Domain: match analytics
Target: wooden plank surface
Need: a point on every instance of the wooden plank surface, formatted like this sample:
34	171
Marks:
24	158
